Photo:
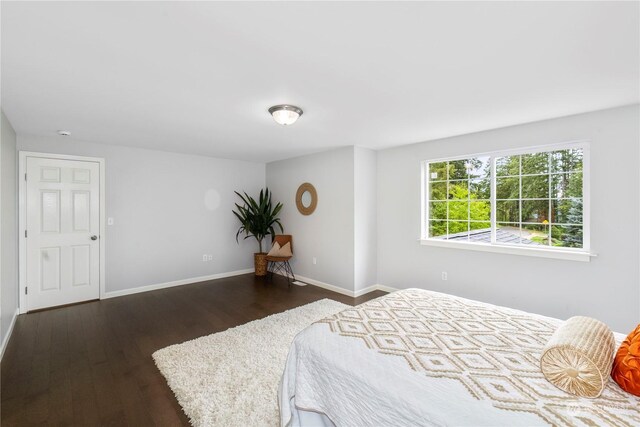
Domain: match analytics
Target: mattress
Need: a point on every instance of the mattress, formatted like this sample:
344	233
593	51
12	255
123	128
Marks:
416	357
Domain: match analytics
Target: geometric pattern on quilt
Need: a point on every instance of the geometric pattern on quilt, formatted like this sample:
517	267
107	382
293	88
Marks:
492	351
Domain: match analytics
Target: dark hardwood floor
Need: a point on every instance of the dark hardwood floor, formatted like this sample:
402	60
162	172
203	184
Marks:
90	364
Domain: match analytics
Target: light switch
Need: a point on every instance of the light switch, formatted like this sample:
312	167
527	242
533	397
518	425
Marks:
110	221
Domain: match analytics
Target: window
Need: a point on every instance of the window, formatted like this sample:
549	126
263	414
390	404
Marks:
533	198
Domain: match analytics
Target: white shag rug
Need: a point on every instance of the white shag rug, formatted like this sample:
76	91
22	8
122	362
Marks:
231	378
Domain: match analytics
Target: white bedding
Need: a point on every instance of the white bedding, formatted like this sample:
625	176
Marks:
423	358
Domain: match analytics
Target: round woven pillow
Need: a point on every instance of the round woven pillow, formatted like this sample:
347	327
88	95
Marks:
578	356
626	365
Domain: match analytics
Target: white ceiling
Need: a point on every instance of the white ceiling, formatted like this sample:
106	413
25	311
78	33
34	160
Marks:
199	77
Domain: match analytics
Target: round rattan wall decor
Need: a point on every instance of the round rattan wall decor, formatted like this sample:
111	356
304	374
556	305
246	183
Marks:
306	199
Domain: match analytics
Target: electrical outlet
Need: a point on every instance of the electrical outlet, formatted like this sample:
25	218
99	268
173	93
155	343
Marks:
444	275
204	258
210	257
315	260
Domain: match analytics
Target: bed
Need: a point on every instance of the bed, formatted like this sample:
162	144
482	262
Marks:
416	357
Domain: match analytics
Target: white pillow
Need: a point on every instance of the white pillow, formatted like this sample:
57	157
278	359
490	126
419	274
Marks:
277	250
274	249
579	356
285	250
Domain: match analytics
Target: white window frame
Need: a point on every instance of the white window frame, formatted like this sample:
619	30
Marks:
576	254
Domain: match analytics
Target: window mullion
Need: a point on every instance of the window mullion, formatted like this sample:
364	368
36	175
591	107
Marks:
492	197
426	200
520	198
446	197
468	205
549	170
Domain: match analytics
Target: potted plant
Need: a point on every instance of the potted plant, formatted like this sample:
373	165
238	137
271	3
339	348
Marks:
258	219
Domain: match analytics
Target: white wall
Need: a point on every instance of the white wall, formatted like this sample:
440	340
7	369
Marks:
162	224
162	227
341	233
365	217
327	234
8	229
607	288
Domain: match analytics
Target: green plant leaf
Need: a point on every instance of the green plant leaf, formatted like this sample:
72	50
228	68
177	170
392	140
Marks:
257	218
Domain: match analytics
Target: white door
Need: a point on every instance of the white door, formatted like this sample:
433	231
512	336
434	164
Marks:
62	232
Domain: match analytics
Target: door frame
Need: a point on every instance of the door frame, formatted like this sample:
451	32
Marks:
22	217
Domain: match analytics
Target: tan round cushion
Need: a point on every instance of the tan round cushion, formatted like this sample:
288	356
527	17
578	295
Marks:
579	356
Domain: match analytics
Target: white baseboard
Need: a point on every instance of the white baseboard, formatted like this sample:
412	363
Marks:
5	341
376	287
365	290
181	282
343	291
320	284
385	288
305	280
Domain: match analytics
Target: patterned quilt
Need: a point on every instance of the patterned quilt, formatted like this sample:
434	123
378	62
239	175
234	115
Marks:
492	352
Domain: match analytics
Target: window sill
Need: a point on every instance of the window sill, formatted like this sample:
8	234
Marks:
512	250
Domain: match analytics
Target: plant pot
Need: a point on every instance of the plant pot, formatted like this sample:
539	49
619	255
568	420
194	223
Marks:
260	263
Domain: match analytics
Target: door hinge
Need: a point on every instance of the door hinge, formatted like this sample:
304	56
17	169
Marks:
25	176
25	233
26	288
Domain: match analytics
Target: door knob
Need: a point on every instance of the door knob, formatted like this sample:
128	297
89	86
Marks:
94	237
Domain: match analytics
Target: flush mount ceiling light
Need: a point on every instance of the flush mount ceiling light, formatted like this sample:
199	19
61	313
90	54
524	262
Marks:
64	133
285	114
